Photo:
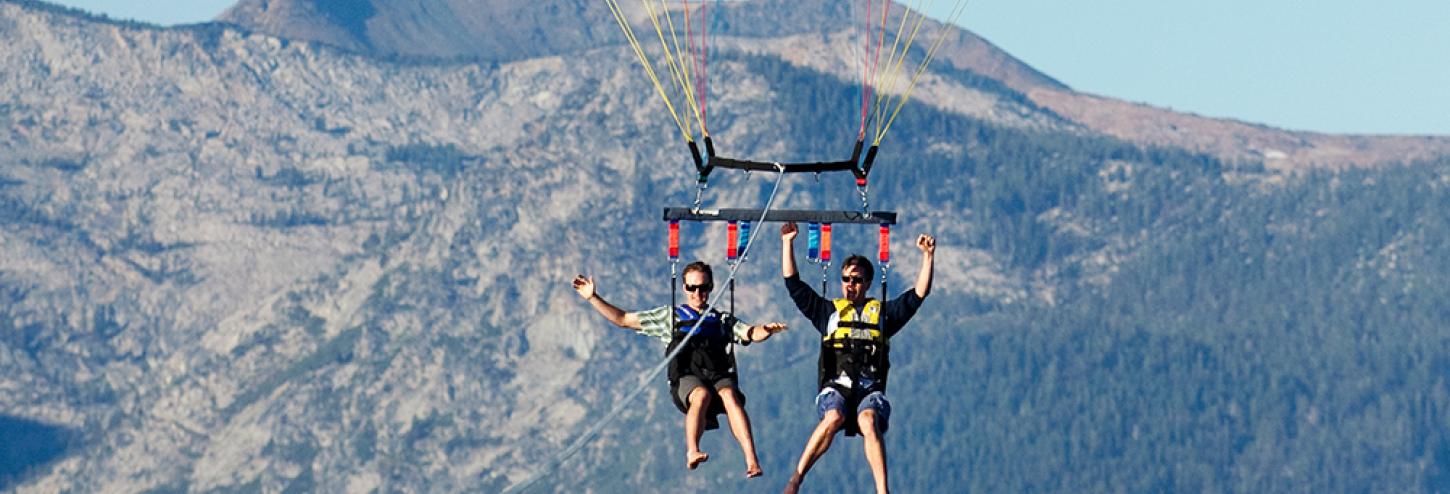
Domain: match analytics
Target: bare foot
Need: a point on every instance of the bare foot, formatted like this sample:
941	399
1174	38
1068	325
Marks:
753	471
695	458
794	484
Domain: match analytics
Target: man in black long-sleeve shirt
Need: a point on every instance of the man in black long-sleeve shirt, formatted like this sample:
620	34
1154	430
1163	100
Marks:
855	333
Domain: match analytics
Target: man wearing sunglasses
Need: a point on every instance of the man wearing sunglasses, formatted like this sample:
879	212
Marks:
855	333
702	376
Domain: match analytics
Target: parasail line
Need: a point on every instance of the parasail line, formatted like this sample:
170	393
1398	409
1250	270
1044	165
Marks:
644	61
957	11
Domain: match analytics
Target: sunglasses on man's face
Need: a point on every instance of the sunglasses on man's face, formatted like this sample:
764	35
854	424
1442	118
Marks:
703	287
853	279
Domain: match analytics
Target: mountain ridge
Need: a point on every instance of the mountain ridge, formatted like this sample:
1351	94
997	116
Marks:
786	31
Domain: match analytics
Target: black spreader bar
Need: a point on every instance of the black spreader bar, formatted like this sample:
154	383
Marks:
781	215
709	161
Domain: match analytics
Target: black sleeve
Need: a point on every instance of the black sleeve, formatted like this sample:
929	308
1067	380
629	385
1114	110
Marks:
900	310
811	304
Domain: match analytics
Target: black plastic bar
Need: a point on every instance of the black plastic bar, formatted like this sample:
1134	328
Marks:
712	161
695	153
708	165
782	215
823	166
870	159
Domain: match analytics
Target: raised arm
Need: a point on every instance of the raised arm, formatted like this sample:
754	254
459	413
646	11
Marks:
927	245
788	233
810	303
585	288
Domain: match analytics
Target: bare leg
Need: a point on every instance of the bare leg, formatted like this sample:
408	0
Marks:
695	426
740	426
875	449
816	446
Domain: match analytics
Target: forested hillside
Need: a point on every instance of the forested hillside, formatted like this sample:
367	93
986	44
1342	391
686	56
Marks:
1180	324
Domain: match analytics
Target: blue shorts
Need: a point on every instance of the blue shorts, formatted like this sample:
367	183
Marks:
831	399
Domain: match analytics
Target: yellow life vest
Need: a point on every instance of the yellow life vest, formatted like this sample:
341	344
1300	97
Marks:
854	351
850	324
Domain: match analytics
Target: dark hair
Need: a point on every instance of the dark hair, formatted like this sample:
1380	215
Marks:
862	262
701	267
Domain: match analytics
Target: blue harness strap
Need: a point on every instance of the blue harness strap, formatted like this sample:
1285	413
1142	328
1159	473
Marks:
710	328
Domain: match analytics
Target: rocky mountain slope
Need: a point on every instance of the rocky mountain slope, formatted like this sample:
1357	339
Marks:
233	261
489	29
209	232
816	35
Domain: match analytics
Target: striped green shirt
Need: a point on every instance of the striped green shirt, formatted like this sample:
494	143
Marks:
656	323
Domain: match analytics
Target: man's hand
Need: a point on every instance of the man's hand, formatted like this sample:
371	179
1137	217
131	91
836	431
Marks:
765	331
584	286
788	232
926	243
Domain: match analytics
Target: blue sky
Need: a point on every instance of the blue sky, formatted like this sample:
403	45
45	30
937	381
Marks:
1335	66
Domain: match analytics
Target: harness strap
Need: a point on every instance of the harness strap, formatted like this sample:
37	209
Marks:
674	253
858	324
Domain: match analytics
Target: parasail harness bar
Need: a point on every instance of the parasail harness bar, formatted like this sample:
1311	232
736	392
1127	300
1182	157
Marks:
861	168
780	215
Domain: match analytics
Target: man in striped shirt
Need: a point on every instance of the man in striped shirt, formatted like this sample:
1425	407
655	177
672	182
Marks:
702	375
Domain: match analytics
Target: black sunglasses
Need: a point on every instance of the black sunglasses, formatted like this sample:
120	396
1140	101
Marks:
704	287
853	279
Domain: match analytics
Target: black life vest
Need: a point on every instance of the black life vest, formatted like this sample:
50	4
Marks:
707	355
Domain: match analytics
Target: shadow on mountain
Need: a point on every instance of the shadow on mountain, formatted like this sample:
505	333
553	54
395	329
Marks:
29	446
351	15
